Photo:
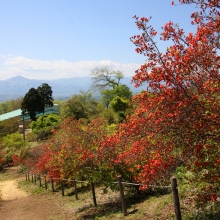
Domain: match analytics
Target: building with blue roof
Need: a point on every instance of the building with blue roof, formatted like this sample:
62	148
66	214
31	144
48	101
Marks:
18	113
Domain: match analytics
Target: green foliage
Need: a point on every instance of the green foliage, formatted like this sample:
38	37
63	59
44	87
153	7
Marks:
108	82
14	145
45	93
122	91
119	104
210	212
32	103
31	137
111	128
8	126
80	106
14	141
107	96
10	105
110	115
103	77
36	100
44	121
43	126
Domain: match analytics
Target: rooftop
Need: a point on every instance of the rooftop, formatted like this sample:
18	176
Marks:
18	112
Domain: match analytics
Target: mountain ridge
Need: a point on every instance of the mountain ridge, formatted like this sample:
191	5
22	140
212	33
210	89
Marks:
62	88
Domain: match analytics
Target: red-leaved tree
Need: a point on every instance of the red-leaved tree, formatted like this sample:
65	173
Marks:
177	120
71	153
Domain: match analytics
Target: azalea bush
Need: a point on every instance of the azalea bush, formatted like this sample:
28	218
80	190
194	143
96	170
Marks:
71	153
178	120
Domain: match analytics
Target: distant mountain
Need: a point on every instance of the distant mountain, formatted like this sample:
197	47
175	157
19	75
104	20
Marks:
62	88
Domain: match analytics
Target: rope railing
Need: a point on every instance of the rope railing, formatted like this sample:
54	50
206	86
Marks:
139	184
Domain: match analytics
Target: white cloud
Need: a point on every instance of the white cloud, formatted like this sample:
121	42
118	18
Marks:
40	69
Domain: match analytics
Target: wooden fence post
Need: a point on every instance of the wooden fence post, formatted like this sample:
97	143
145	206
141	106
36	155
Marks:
93	194
52	184
176	198
122	196
75	190
39	180
35	179
62	187
45	182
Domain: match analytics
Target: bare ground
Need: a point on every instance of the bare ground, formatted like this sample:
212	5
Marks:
10	191
17	204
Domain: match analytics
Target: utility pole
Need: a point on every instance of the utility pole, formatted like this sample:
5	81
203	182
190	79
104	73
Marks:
23	127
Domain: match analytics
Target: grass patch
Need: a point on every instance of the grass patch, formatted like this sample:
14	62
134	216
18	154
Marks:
4	175
31	188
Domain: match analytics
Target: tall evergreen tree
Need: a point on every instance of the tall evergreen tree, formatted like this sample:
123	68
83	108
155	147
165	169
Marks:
32	103
45	93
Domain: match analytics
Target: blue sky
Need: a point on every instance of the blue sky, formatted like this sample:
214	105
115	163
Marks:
50	39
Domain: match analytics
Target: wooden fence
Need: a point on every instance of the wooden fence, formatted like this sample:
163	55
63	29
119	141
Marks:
36	177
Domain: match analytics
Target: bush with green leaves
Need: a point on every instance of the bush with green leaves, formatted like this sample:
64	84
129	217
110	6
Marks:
14	144
43	126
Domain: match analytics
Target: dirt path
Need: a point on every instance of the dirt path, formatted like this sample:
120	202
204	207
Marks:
10	191
17	204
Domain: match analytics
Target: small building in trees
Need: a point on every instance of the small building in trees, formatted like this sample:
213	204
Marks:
26	119
18	112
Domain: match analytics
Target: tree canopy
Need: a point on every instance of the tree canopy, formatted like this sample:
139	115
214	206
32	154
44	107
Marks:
45	93
81	106
36	100
10	105
103	77
32	103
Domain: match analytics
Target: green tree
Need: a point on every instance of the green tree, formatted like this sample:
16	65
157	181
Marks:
10	105
123	91
103	77
45	121
81	106
44	125
13	144
8	126
119	104
36	100
32	103
108	95
45	93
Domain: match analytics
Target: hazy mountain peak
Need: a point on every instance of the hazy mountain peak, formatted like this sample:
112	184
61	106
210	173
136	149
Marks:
63	88
16	79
